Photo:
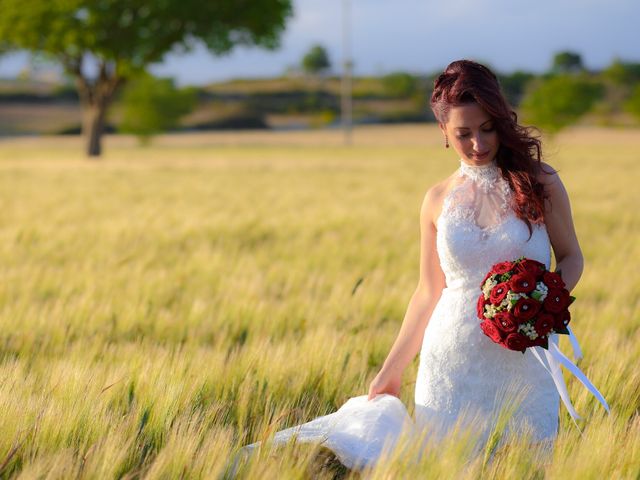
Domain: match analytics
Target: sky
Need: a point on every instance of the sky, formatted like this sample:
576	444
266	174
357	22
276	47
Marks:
422	36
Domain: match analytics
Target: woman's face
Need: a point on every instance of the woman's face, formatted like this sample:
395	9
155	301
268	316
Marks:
471	133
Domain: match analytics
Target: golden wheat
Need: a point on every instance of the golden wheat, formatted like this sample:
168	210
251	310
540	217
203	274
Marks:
165	305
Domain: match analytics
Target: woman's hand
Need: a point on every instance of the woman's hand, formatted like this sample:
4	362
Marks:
387	381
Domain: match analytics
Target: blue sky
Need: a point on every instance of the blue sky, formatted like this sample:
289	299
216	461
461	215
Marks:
423	36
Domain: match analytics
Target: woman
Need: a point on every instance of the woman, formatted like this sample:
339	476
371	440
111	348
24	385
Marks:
501	203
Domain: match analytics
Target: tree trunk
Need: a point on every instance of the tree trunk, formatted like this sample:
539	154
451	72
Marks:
95	97
92	128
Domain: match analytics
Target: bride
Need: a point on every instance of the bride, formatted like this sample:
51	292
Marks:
502	202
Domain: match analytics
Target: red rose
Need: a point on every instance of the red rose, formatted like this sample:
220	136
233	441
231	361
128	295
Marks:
561	320
517	341
532	266
541	342
544	324
557	300
480	306
523	282
505	322
553	280
498	293
502	267
491	331
525	309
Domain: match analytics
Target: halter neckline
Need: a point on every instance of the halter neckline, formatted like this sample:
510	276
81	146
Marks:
484	166
485	174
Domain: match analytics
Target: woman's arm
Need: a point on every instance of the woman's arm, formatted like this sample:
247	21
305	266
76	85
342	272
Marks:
430	285
559	222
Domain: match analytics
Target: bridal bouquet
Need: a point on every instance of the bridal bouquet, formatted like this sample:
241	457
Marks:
522	303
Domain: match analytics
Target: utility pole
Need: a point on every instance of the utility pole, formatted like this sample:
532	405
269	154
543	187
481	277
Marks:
346	104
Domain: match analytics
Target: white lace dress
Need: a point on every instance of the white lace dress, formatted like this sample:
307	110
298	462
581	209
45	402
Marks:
461	372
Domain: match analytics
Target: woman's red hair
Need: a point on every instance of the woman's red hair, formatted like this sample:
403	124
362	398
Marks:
519	153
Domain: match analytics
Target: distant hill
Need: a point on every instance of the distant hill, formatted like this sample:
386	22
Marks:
288	102
28	107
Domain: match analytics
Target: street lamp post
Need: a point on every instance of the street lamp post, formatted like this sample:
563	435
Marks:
346	104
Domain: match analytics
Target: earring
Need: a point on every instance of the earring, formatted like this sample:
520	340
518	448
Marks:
446	141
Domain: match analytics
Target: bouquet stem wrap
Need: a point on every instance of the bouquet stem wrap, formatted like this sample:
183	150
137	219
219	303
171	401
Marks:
552	358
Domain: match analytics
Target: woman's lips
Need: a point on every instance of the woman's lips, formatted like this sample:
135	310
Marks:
480	156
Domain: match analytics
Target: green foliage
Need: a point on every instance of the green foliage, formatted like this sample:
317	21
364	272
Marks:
567	62
400	84
151	105
514	85
622	73
558	101
632	105
137	33
316	60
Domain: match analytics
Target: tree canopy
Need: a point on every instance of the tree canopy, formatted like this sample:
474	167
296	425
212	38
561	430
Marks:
622	73
316	60
567	62
123	37
560	100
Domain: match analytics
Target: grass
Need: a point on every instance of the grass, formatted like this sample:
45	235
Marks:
168	304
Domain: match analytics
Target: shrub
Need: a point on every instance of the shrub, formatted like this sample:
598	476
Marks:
152	105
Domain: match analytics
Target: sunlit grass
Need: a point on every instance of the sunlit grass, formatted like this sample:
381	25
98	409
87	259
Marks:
166	305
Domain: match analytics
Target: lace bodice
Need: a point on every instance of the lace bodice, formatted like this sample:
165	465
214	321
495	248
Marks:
478	226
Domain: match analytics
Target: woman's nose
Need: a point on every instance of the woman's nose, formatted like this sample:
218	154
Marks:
478	145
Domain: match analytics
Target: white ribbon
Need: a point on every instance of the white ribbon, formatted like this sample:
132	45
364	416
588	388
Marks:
551	360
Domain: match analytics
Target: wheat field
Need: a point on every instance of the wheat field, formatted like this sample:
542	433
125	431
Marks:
165	305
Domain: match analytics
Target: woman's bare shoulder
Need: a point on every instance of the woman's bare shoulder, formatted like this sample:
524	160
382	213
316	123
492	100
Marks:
547	175
433	199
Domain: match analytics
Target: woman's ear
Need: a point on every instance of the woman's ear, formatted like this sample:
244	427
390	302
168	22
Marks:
442	128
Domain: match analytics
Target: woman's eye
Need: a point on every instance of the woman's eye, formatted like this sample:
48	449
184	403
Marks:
463	135
488	129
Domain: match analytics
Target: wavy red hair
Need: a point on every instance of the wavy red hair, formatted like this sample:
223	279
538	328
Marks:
520	152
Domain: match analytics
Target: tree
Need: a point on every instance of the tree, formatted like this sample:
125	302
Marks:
567	62
620	79
316	60
400	84
151	105
514	85
622	73
122	37
558	101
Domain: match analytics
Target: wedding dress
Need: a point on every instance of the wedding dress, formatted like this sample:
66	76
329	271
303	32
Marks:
463	375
